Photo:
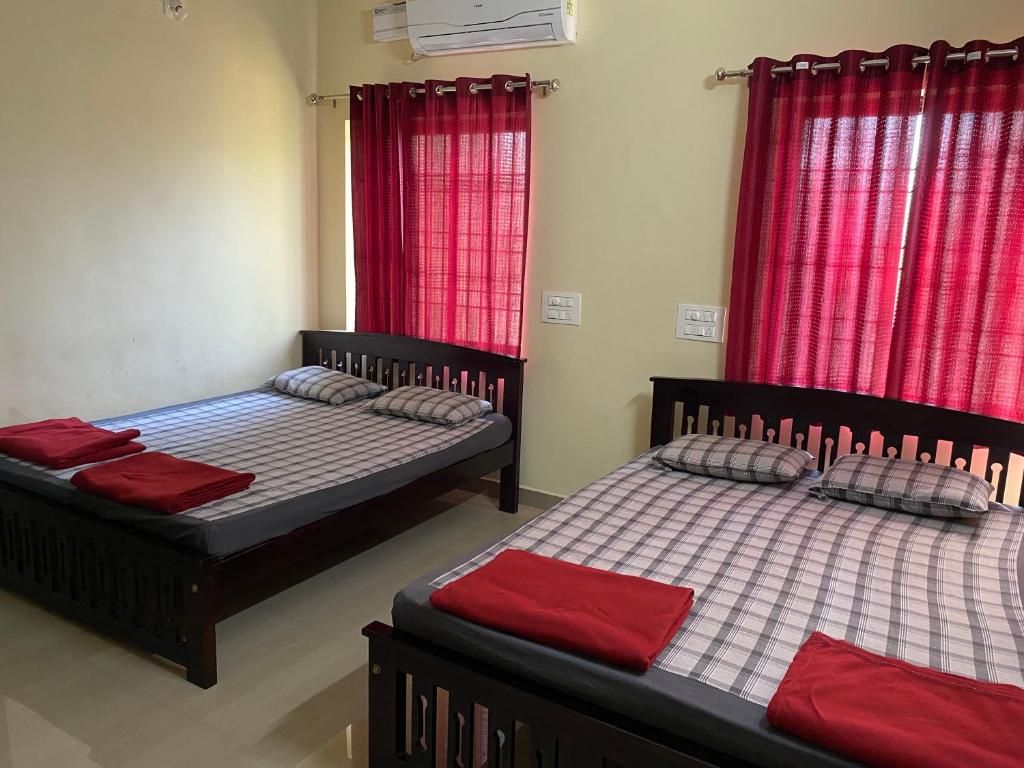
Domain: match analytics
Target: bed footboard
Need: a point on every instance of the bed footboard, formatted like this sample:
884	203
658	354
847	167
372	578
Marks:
119	584
432	707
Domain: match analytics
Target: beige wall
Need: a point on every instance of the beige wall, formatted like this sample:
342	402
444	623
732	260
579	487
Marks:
636	162
157	200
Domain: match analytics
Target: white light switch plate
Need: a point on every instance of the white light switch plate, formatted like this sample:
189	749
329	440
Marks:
561	307
698	322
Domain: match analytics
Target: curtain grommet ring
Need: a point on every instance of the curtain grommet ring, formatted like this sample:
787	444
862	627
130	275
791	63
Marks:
412	92
473	88
359	95
439	90
509	86
991	54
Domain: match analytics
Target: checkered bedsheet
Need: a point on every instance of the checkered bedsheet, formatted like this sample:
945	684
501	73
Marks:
772	563
293	445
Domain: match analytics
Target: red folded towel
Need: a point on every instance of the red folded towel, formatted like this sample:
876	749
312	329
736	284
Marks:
886	712
624	620
63	443
161	482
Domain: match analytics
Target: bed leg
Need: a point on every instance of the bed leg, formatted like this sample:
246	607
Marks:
201	633
203	670
508	493
386	711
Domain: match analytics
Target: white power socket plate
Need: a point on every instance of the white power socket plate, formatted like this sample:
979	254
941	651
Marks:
699	322
561	307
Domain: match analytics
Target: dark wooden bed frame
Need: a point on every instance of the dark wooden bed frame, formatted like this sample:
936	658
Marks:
166	598
426	702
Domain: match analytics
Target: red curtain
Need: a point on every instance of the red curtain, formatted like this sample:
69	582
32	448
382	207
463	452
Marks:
380	259
820	224
440	213
959	339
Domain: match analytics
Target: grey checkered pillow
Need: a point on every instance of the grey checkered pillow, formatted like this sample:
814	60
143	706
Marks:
732	458
435	405
317	383
908	486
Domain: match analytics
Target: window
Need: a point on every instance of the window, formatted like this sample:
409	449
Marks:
880	235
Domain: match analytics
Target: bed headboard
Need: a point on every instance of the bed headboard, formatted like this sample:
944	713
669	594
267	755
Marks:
829	424
396	361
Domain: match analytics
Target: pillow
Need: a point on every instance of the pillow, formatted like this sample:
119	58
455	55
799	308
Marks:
908	486
733	458
434	405
317	383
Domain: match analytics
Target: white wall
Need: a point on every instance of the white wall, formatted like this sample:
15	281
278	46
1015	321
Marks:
635	175
157	201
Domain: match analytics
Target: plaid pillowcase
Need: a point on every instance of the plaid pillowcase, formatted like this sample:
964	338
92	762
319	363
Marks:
315	382
907	486
733	458
434	405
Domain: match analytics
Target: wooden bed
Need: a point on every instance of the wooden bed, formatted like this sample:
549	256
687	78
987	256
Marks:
165	598
568	731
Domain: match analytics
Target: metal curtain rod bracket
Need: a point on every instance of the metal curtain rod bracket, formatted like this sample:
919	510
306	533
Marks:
833	66
546	87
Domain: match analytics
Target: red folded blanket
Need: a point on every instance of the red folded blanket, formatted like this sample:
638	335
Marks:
886	712
624	620
161	482
63	443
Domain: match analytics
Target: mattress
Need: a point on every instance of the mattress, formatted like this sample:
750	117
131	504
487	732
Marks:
769	564
310	460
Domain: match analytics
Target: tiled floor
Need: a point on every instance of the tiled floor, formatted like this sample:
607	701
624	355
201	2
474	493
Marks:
292	688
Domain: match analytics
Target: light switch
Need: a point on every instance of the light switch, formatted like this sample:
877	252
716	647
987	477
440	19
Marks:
700	323
569	307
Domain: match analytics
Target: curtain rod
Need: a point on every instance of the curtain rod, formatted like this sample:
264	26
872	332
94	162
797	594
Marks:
546	86
833	66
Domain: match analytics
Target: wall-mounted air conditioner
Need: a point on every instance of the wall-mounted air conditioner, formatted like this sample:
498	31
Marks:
389	22
439	27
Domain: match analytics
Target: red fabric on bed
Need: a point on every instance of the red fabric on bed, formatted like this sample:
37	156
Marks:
624	620
161	482
886	712
63	443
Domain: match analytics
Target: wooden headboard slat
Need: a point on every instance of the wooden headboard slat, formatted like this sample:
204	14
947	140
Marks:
835	423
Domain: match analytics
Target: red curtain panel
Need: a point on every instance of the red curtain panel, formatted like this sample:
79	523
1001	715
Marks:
441	211
376	167
959	338
822	208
